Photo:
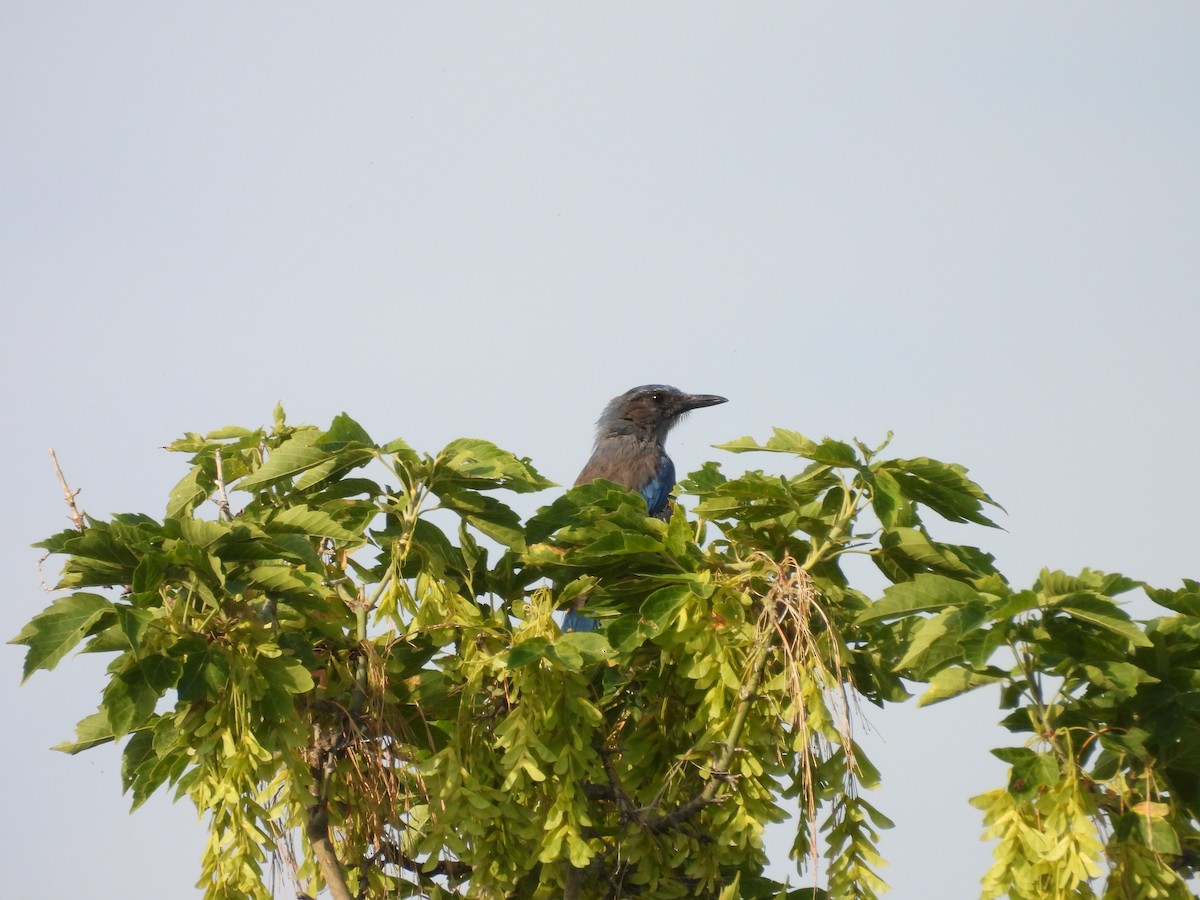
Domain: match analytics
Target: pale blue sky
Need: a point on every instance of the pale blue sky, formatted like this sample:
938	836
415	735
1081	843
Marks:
977	225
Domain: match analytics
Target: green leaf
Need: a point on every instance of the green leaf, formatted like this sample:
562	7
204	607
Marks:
339	463
160	672
90	732
630	632
298	548
1121	678
951	682
129	699
311	522
286	674
943	487
133	623
925	593
286	579
528	651
1056	584
1104	613
402	451
827	452
619	543
887	500
662	606
1185	600
580	587
192	490
1155	831
704	480
228	432
488	514
344	430
1031	772
101	555
52	633
434	550
755	497
477	463
592	646
566	655
291	458
149	574
193	679
941	637
204	533
916	546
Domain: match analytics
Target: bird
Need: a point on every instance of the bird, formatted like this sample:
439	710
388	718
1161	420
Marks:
630	450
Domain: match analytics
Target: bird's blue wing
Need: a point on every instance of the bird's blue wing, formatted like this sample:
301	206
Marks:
575	620
658	489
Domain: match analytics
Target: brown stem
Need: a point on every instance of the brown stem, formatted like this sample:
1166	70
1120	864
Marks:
317	831
68	494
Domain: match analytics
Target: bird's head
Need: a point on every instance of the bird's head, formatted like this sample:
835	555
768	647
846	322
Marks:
650	410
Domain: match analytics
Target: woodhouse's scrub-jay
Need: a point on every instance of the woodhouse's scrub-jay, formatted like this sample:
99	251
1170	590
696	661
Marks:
630	451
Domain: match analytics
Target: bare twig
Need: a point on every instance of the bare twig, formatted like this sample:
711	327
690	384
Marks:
284	861
68	494
222	497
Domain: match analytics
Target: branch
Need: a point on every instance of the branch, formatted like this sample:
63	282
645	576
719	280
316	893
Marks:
390	854
616	791
720	768
68	494
222	496
316	829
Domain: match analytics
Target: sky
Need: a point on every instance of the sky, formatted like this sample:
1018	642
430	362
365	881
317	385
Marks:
975	225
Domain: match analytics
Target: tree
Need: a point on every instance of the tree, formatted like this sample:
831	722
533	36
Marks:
376	666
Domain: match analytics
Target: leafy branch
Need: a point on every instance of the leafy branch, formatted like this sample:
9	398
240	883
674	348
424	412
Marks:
360	648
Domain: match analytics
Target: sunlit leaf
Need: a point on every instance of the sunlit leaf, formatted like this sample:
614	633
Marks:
289	459
469	460
954	681
311	522
827	452
1102	612
925	593
52	633
590	645
943	487
90	732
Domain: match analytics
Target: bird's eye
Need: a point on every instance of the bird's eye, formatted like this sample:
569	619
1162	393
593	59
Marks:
656	397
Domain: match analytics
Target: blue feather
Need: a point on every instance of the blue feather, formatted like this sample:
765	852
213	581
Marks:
658	489
575	620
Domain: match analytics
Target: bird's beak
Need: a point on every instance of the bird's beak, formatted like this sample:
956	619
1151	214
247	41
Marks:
698	401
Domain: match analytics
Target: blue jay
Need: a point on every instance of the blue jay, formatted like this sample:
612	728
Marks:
630	451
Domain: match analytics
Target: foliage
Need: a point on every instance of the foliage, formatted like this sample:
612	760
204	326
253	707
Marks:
376	665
